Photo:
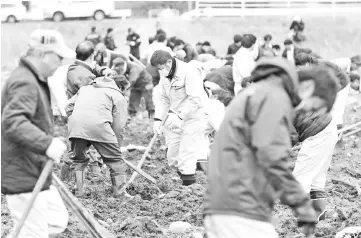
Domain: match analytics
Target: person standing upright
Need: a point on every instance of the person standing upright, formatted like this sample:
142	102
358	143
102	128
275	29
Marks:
27	136
159	31
244	61
133	40
109	40
93	36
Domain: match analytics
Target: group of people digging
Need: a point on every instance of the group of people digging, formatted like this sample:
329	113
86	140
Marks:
257	105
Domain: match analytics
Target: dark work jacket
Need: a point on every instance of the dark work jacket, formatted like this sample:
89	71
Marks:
80	74
26	129
223	77
248	166
232	49
138	77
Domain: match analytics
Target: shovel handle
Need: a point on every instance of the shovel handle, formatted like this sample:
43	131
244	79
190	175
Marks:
141	172
38	186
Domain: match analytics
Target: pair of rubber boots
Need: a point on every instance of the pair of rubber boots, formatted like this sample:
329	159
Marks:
318	199
118	182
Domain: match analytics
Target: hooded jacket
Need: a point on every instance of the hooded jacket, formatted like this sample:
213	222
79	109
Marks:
248	166
98	112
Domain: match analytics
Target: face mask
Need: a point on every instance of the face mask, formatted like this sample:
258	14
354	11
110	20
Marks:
164	72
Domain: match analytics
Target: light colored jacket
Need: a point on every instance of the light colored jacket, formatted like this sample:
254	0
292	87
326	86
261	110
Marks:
57	84
243	64
98	112
183	94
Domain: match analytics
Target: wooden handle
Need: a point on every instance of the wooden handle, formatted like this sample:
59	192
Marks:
92	226
141	172
38	186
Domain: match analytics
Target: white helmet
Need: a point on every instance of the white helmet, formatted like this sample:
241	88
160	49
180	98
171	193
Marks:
297	18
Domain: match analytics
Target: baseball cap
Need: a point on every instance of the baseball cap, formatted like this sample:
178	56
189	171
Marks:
50	40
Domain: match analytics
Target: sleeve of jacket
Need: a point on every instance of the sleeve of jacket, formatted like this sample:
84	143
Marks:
195	92
272	143
162	105
133	75
15	119
57	87
138	41
69	107
120	114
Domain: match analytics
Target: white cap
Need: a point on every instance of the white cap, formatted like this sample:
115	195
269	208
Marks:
50	40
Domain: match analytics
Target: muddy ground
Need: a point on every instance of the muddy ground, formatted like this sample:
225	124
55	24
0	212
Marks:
146	215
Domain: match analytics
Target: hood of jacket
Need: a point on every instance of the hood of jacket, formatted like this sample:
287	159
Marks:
105	82
277	66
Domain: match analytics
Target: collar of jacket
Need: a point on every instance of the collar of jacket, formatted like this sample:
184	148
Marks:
172	69
84	64
105	82
27	63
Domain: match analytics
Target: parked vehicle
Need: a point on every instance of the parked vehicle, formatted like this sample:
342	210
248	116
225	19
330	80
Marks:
12	11
60	10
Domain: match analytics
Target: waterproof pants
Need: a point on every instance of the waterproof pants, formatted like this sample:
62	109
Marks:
314	159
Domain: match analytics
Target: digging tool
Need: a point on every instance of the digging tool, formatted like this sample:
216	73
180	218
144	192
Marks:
89	222
38	186
149	147
141	172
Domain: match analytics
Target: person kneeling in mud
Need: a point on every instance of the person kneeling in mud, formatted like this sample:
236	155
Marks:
96	116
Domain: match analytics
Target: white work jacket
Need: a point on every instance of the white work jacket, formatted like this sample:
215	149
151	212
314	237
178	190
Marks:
184	93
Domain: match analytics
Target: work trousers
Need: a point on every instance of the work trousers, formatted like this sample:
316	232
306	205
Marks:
135	97
231	226
314	159
110	153
48	215
186	146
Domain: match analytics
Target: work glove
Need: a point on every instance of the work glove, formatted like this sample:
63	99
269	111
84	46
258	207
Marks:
132	43
174	121
157	126
306	218
56	150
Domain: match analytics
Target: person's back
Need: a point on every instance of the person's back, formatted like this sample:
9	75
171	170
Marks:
223	77
92	116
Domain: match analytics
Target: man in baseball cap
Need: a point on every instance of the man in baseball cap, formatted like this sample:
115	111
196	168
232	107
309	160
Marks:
50	40
27	139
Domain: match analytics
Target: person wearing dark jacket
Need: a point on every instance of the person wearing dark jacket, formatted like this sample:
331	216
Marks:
191	53
291	51
141	85
171	41
318	134
27	137
233	48
297	27
83	70
160	31
223	77
109	40
207	49
105	57
248	165
133	40
105	102
93	36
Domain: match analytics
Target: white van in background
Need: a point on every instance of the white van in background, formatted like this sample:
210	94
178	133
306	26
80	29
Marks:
12	11
60	10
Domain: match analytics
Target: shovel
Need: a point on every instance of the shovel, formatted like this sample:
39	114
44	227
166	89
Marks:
134	175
